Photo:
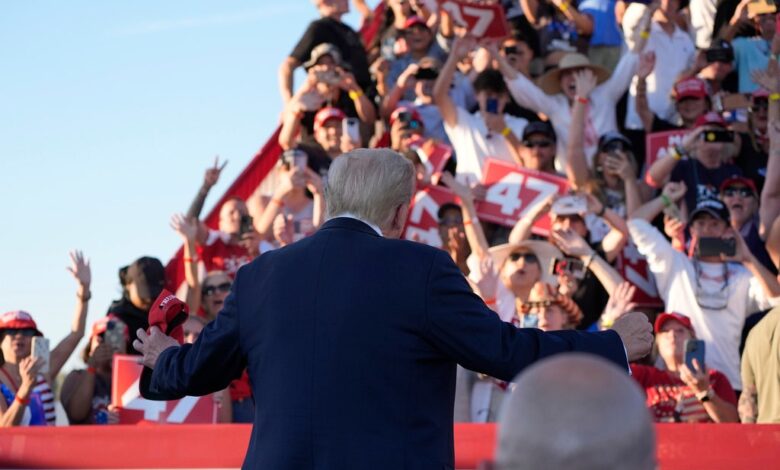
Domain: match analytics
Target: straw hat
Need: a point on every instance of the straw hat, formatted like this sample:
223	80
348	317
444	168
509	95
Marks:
544	294
550	82
544	251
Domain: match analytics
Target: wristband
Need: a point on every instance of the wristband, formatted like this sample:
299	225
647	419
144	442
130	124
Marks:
774	97
278	202
355	95
667	202
582	100
22	401
84	298
467	223
606	324
506	131
191	260
644	34
91	370
564	7
490	301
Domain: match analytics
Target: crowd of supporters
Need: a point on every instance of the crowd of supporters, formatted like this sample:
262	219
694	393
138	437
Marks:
571	92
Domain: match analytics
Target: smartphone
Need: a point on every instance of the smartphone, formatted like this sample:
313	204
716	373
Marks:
571	204
510	50
40	348
330	77
351	128
247	225
295	158
572	266
426	74
491	105
114	335
713	246
694	349
717	136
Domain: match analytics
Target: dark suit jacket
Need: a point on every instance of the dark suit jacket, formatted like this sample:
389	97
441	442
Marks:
351	341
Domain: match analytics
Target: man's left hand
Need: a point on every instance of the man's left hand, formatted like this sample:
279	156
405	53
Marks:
152	345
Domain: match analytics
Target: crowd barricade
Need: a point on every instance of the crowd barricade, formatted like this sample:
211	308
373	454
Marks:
680	446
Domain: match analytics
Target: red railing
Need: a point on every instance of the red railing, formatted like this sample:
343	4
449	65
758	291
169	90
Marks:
680	446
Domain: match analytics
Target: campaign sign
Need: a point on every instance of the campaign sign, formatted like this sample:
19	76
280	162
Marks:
657	143
512	190
126	396
422	225
634	269
434	156
480	19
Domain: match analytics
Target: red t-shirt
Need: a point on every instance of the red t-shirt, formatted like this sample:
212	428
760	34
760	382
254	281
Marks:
670	400
220	255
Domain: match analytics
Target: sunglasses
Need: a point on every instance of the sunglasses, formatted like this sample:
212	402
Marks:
543	144
731	192
210	290
527	257
27	332
760	105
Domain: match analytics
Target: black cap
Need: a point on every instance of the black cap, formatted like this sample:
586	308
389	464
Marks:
711	206
148	275
613	136
539	127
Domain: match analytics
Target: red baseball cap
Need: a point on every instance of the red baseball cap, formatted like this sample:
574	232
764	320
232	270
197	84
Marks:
665	317
736	179
326	114
711	119
690	88
415	115
760	93
414	21
18	319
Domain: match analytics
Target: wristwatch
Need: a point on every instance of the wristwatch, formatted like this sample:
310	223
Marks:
705	397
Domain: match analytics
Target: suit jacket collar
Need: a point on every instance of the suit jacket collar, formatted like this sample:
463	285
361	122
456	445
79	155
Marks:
348	223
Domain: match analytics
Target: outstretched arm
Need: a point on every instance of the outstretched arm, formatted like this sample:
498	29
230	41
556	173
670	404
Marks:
81	271
577	170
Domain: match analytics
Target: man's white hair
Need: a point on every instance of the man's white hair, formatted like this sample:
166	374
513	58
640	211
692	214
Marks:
369	184
578	412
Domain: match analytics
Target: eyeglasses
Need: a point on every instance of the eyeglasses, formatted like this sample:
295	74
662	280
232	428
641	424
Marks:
210	290
543	144
27	332
527	257
731	192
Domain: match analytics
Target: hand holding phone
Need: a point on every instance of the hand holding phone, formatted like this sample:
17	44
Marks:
40	349
694	349
714	246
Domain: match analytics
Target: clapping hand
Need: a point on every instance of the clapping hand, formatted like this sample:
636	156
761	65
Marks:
186	228
79	268
212	174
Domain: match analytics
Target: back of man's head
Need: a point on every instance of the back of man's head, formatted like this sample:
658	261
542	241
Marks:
578	412
369	184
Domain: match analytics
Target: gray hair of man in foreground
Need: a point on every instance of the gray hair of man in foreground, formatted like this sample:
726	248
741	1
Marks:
371	184
575	411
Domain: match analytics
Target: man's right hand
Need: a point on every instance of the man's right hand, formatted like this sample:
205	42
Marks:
636	333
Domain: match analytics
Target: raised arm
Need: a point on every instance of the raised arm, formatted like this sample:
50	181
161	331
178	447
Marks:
738	21
646	65
11	415
82	273
288	180
582	22
365	109
471	225
522	229
286	70
188	231
530	8
769	210
577	170
659	172
209	180
404	83
441	90
672	193
614	242
574	245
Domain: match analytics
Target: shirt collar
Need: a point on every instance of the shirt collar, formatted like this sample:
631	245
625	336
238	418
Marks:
348	215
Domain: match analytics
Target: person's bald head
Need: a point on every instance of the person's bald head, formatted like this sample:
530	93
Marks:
575	411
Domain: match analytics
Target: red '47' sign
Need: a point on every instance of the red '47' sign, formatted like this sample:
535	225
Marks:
512	190
634	269
481	20
133	408
422	225
657	143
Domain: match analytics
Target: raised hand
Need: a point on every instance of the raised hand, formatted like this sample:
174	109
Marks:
28	370
675	190
674	228
584	83
636	333
571	243
212	174
488	281
406	79
768	79
462	46
646	64
461	190
698	380
619	164
79	268
620	303
187	229
743	253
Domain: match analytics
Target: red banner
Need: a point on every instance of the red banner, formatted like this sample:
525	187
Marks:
634	269
434	156
133	408
423	222
512	190
481	20
657	143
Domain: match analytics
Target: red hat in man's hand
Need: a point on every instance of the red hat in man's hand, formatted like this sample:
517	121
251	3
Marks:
169	314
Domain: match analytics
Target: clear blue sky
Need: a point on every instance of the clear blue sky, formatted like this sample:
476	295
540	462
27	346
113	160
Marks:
109	114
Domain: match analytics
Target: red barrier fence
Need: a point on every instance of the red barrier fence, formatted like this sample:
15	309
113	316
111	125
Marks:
680	446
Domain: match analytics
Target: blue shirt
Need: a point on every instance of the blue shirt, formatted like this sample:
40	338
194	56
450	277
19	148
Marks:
750	54
605	27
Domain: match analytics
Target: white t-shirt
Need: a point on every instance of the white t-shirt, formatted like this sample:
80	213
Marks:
676	278
473	143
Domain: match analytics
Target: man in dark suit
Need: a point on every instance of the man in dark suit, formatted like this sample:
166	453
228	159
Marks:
351	337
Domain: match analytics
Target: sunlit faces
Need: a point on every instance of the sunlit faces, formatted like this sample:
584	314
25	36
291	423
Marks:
518	54
570	222
551	317
16	342
451	224
567	82
741	202
538	152
691	108
670	340
329	134
215	290
230	216
521	270
705	225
